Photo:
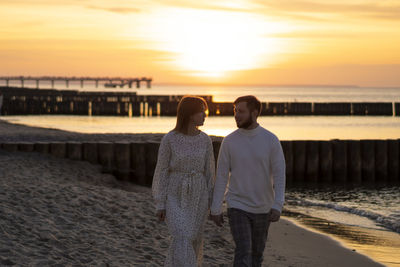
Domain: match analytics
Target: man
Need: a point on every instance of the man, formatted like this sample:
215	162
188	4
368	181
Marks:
252	165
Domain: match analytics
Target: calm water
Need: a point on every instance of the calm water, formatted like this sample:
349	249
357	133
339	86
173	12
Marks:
362	218
365	219
286	128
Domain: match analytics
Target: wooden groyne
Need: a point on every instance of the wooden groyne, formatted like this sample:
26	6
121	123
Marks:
22	101
334	161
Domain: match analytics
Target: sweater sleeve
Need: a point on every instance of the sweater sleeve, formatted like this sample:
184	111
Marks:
161	174
222	178
278	174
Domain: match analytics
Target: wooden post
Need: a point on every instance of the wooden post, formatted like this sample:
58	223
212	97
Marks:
90	153
106	156
393	160
299	159
10	147
354	161
339	161
58	149
74	150
368	160
42	147
287	147
122	153
312	162
151	160
138	162
26	147
325	161
381	160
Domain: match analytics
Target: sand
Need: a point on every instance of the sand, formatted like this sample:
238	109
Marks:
59	212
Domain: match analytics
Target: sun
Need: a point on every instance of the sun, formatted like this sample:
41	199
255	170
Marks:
212	43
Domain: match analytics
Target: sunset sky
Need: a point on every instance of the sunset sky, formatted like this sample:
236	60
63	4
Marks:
331	42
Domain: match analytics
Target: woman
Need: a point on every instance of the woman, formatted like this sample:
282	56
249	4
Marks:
183	182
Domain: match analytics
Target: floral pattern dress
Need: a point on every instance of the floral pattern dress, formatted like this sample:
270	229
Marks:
182	185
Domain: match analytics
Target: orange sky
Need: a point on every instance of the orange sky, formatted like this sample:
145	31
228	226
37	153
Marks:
333	42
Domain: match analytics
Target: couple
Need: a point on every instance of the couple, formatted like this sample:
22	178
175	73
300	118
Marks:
251	166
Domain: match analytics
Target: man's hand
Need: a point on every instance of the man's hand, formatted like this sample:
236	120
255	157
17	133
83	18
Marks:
274	215
161	215
217	219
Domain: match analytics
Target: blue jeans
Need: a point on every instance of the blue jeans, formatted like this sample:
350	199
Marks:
250	232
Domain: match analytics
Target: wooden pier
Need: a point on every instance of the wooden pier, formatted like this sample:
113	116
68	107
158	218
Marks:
110	82
23	101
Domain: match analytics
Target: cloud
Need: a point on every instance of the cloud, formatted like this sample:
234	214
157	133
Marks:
380	10
119	10
207	5
42	2
315	35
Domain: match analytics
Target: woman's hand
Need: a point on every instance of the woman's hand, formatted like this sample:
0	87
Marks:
161	215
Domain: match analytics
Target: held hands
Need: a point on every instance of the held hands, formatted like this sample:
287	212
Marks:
274	215
161	215
217	219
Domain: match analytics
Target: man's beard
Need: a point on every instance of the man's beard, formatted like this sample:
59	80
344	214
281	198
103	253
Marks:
246	124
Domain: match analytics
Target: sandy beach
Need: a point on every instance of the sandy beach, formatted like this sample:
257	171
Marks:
60	212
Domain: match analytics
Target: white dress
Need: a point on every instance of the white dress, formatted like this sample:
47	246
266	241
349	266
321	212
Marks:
182	185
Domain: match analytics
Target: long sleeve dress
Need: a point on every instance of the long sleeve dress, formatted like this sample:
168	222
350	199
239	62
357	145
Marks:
182	185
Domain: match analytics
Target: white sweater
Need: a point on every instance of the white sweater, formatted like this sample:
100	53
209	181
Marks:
252	164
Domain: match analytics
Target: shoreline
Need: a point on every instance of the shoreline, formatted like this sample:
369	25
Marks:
299	240
378	245
283	235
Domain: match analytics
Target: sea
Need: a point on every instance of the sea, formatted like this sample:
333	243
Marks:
363	218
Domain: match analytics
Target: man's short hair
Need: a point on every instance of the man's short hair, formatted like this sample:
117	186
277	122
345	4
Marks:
251	101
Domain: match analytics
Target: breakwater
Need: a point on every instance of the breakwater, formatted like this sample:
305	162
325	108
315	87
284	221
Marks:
334	161
23	101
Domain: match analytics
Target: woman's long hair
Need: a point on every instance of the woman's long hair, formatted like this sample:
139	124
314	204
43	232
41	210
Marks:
188	106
